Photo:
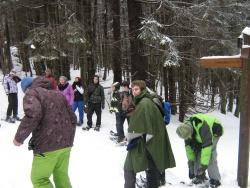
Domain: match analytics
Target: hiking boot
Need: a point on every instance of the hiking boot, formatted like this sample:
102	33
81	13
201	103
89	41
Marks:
17	118
86	128
198	180
214	183
79	123
10	120
162	183
97	128
121	139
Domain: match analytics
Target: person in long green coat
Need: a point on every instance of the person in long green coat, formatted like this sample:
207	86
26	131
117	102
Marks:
149	148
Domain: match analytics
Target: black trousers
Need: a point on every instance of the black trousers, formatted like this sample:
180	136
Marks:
97	108
13	104
152	175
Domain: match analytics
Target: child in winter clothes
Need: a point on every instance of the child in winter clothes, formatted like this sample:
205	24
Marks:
78	99
201	133
10	86
66	89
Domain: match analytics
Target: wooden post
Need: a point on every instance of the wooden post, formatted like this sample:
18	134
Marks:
239	61
244	135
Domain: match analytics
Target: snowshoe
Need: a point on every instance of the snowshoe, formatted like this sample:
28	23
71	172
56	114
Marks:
86	128
113	138
214	183
97	128
10	120
122	143
112	133
204	184
17	118
141	182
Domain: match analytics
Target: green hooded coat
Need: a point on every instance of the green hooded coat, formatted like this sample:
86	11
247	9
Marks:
148	121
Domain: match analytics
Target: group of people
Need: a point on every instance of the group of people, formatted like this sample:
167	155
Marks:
74	95
148	144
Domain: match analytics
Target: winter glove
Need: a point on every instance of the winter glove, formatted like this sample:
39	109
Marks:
133	143
103	106
191	169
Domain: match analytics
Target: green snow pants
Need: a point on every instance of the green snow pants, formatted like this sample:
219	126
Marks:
54	162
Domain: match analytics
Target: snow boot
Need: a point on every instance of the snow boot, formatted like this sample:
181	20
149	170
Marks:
17	118
112	133
97	128
214	183
86	128
9	119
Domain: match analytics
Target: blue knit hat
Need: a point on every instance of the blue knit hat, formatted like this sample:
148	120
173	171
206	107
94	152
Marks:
26	82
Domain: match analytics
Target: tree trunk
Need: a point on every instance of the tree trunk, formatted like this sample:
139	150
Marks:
90	65
138	61
182	93
8	52
116	52
165	81
172	89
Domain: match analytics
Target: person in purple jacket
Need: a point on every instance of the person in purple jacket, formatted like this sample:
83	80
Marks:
66	89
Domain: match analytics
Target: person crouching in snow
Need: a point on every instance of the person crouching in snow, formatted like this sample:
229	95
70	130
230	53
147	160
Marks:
149	148
50	119
201	133
78	99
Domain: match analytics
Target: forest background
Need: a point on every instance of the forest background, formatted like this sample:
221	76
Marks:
159	41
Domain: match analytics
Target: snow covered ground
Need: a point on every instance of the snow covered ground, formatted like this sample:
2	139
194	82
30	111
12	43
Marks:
95	160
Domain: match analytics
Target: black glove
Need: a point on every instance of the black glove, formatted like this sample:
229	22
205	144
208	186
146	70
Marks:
133	143
191	169
103	106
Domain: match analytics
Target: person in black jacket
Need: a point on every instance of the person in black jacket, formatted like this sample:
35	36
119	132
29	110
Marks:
78	99
96	102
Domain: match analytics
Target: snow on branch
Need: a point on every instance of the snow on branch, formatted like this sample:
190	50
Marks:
150	34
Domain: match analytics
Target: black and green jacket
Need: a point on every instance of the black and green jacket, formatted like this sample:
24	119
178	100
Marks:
205	129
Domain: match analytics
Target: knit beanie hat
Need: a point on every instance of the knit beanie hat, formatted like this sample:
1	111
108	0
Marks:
185	131
26	82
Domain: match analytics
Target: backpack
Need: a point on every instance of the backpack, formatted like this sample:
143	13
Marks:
126	101
167	112
164	107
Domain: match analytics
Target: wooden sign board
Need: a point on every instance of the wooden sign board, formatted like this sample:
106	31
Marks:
221	62
239	61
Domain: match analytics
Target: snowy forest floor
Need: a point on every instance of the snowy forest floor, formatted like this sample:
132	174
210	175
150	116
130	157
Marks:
97	163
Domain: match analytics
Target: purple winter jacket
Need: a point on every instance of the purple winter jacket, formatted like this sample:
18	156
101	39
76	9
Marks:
48	117
67	91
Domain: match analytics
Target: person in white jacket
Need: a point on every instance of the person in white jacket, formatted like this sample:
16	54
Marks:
10	86
78	99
